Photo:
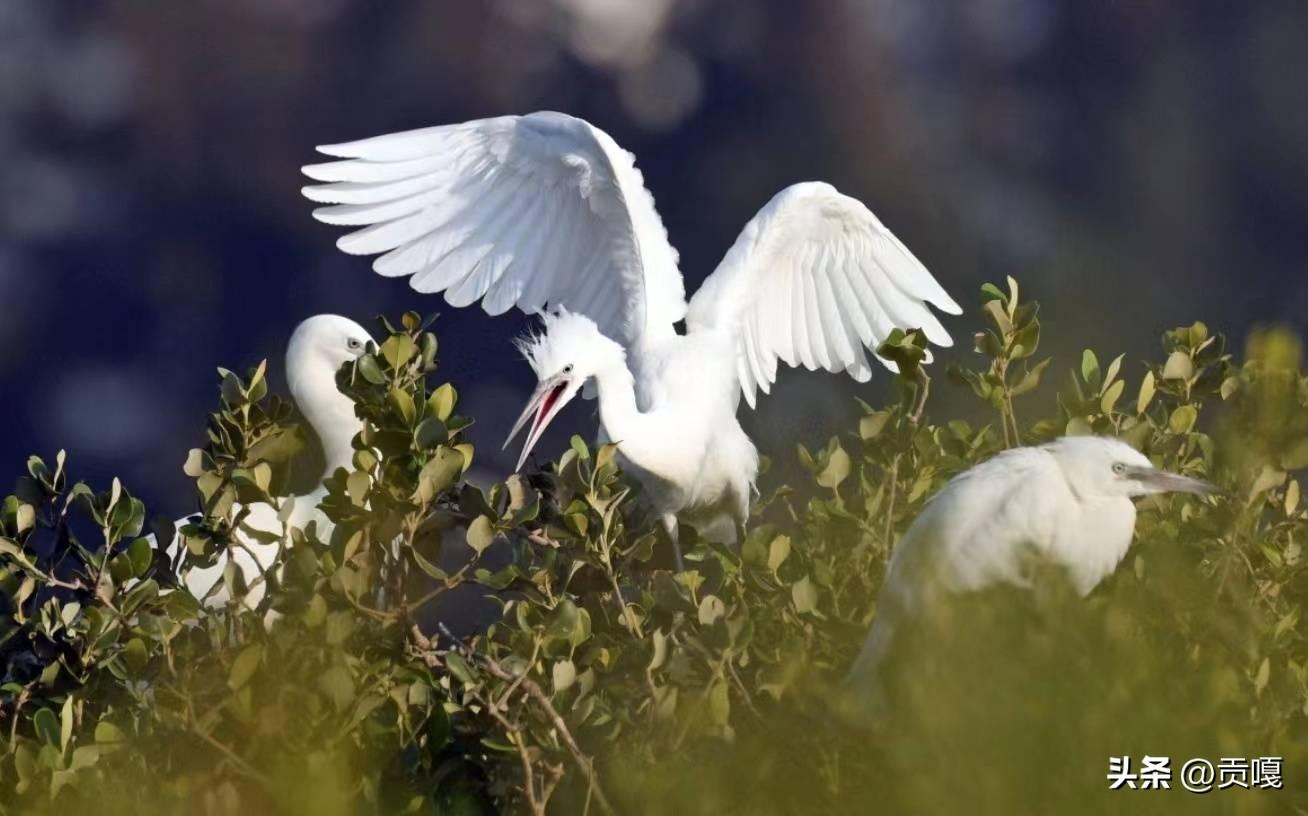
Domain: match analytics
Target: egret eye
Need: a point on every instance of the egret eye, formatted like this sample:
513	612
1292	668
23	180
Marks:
567	369
1119	468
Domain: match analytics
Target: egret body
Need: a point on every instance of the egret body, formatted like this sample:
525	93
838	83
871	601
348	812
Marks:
545	212
1068	502
317	349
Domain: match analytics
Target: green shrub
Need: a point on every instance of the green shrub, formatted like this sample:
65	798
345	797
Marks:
611	684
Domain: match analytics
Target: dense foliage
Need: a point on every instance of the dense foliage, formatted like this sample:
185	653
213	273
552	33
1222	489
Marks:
612	684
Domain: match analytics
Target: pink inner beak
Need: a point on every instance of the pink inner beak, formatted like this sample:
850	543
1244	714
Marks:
545	405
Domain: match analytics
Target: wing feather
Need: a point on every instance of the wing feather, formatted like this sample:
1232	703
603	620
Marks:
798	324
815	279
535	211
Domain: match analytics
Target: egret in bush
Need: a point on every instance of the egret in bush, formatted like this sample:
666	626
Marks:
1068	502
317	349
545	212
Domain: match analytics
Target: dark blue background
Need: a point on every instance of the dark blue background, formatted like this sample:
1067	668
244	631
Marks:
1136	165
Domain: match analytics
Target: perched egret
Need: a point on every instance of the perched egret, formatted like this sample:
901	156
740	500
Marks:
317	349
545	212
1067	502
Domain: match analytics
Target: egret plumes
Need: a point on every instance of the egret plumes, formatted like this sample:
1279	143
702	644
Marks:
318	347
545	212
1068	502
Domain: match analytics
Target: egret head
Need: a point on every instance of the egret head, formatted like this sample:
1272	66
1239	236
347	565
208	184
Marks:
321	345
1106	467
569	350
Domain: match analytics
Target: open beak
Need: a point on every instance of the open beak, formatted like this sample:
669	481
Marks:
1161	481
545	403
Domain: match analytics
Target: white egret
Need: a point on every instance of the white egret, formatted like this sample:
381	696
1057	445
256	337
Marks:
545	212
317	349
1068	502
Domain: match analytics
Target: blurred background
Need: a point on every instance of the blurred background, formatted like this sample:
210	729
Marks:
1137	165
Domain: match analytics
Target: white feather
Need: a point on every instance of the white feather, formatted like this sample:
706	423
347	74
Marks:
453	207
821	271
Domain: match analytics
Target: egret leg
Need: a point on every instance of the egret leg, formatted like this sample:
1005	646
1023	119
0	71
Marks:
670	526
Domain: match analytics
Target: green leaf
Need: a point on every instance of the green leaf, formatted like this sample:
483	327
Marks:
262	473
46	725
441	402
1031	379
659	654
1262	677
564	621
710	609
315	613
1090	369
778	551
397	350
1183	419
999	316
431	432
356	485
481	534
1146	393
338	686
109	737
605	455
1179	366
141	555
720	703
579	447
24	518
837	469
1268	478
194	465
438	729
564	675
371	371
460	669
403	404
66	724
244	666
1110	376
871	426
804	595
340	625
1111	395
440	473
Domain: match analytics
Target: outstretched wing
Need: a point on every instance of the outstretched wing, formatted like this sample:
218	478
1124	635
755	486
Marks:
813	279
528	211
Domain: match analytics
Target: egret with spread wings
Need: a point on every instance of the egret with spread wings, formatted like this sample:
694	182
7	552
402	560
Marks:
545	212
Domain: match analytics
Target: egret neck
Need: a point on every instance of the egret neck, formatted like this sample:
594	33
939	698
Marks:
329	412
617	400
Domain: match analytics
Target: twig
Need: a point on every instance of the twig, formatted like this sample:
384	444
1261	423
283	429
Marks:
504	698
890	504
538	694
231	755
13	727
920	399
744	690
528	772
536	537
627	614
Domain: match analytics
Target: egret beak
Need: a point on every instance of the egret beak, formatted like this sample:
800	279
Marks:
545	403
1161	481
